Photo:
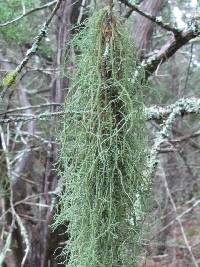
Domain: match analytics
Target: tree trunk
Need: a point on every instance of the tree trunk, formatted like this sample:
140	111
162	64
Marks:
143	27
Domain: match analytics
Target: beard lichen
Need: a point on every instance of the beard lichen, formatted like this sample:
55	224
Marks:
102	155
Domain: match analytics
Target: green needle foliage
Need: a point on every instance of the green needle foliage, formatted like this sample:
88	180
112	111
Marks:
103	146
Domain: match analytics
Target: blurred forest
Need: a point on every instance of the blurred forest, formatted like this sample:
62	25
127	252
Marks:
36	63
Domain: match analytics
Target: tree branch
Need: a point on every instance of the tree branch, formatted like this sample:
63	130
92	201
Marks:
10	78
28	13
29	107
179	39
157	20
43	116
181	107
169	49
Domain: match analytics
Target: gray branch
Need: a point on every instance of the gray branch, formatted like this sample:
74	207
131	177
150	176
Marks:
181	107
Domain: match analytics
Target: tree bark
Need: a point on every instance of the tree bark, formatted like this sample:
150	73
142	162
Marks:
143	27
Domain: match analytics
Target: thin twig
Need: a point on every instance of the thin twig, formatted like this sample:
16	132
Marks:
81	12
23	201
177	217
29	107
189	67
24	235
44	116
185	137
180	222
28	13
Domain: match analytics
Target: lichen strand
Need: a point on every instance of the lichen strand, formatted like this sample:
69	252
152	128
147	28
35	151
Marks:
102	155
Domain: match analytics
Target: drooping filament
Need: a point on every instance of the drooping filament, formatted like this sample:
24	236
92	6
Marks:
103	149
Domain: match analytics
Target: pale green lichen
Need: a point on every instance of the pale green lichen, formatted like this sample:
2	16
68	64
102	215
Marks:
170	113
159	19
9	79
103	154
184	105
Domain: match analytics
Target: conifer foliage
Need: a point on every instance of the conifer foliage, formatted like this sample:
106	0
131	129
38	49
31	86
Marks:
102	157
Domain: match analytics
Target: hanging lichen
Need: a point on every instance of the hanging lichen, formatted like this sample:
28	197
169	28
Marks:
102	153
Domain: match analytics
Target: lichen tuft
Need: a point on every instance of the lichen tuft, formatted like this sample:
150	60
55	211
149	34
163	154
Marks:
103	153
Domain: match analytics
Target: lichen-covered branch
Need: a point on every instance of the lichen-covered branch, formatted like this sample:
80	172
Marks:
25	118
157	20
179	38
6	247
181	107
184	106
25	237
169	49
10	78
161	137
50	4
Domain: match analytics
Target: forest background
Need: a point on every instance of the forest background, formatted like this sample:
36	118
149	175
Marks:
165	33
